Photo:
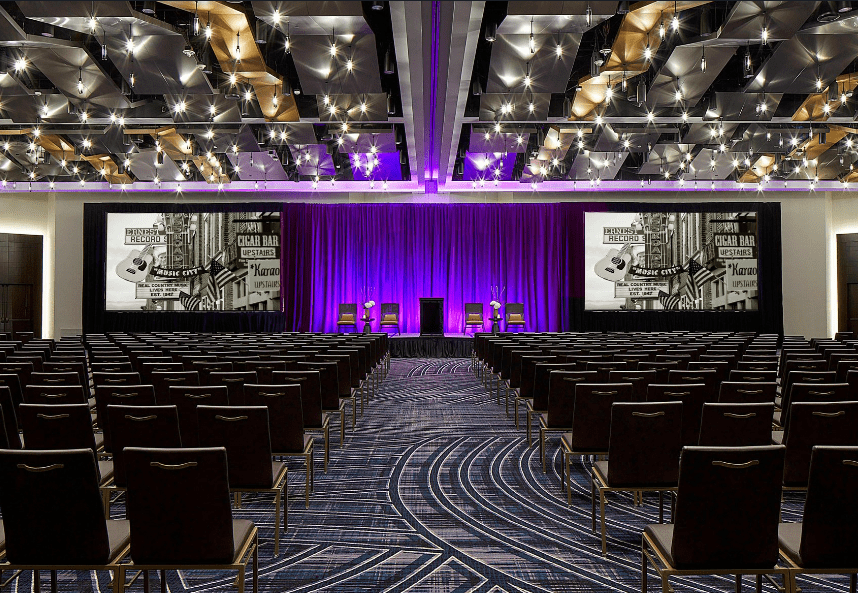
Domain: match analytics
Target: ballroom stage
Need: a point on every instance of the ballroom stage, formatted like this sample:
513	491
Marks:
417	346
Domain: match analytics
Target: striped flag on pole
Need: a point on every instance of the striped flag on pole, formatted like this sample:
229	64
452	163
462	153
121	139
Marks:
190	303
668	301
699	275
220	275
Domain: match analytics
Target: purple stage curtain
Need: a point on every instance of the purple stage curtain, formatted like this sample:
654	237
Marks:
408	251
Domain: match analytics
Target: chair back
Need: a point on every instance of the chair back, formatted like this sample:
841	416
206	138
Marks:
692	397
123	395
747	392
186	399
179	506
560	403
68	367
311	394
748	376
814	392
13	382
163	380
541	381
264	369
757	365
640	380
710	378
140	426
285	414
727	507
344	379
843	367
111	379
22	369
243	432
10	419
234	382
52	510
830	519
206	367
328	382
63	426
54	394
736	424
661	368
644	444
111	367
811	424
604	367
591	415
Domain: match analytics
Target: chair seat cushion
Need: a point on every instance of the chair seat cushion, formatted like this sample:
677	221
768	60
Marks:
118	535
601	468
389	318
515	318
789	540
347	318
777	418
2	536
341	322
777	437
475	318
662	537
99	440
105	468
278	468
242	529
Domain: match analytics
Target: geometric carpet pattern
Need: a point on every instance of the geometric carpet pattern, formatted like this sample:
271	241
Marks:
437	492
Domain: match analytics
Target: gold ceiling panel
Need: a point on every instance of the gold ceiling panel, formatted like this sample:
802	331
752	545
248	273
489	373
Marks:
61	149
812	109
176	147
627	59
762	166
231	31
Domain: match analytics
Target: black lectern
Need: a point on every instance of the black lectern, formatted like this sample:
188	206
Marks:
432	317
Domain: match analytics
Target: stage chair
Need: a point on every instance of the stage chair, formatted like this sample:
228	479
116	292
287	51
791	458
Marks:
181	518
726	517
74	535
347	316
643	453
824	541
243	432
61	427
736	425
186	398
514	313
286	424
473	316
390	316
137	426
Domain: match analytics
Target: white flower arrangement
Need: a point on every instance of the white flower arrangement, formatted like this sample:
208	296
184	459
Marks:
495	305
369	305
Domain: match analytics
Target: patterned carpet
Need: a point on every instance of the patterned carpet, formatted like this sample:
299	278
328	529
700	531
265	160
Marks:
436	491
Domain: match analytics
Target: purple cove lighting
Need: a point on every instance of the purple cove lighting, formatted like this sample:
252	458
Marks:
408	251
387	168
431	168
482	165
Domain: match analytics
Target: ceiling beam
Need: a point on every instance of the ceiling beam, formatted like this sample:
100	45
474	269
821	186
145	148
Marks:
408	42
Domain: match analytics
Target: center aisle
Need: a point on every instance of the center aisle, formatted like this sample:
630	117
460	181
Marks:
436	490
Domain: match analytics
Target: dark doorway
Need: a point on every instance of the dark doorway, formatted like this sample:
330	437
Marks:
20	284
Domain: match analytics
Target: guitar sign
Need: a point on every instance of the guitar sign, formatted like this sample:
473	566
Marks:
614	266
135	267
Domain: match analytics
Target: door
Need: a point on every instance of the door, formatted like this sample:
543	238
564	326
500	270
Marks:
852	307
16	308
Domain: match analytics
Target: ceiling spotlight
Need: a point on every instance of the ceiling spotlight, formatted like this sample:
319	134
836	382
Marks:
780	141
487	136
104	51
684	116
84	116
849	142
129	45
609	94
678	95
703	60
377	5
180	106
237	46
350	65
333	50
80	81
661	31
558	51
363	107
747	65
93	24
159	158
519	139
826	108
674	22
627	143
650	116
491	32
497	127
235	149
599	120
332	109
647	52
20	64
764	35
87	143
819	84
589	14
36	132
248	95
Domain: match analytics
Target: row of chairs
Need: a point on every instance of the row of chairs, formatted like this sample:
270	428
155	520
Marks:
604	400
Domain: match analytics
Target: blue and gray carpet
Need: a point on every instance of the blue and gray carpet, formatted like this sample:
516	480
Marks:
436	491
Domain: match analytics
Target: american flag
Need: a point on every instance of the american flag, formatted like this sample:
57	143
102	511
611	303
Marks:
668	301
190	303
689	289
699	275
218	277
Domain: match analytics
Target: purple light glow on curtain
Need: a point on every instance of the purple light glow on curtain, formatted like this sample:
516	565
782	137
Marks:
408	251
